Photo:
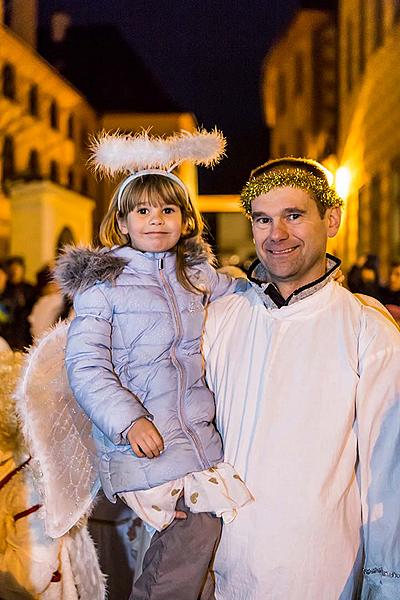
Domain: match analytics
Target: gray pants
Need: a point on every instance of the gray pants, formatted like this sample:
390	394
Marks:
175	566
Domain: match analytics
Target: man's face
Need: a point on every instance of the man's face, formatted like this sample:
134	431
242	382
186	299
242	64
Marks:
290	236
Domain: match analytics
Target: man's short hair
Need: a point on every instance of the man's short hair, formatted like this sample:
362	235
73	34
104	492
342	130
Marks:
302	173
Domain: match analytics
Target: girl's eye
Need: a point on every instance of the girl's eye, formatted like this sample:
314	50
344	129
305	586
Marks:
168	210
142	211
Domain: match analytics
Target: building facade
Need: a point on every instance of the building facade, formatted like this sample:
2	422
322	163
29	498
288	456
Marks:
331	91
368	151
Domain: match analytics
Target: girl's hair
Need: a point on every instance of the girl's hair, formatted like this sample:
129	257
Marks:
157	190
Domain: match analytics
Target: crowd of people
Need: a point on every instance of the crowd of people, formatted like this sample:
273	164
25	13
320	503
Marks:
251	423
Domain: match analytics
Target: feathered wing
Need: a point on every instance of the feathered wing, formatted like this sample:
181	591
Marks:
58	434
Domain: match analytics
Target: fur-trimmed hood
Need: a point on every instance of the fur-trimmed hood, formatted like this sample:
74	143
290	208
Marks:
80	267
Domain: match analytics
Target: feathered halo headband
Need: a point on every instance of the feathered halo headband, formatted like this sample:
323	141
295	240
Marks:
143	154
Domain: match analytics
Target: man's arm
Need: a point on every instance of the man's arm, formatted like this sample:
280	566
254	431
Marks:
378	431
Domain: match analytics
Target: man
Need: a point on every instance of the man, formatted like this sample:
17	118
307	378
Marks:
307	384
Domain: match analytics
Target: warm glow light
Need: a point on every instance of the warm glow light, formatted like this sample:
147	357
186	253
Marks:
342	181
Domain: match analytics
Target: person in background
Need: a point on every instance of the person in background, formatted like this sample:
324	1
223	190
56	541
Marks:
364	278
20	296
390	294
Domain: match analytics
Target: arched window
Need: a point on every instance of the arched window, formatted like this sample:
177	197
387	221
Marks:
8	158
33	100
54	116
34	165
54	171
70	127
9	81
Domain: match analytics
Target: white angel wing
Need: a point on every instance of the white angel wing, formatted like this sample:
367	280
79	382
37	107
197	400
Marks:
58	435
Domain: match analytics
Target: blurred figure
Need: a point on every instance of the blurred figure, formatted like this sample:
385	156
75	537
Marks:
34	566
50	306
20	297
390	295
5	309
364	277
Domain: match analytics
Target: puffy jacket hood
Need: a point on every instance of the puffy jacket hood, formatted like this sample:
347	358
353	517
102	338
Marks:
80	267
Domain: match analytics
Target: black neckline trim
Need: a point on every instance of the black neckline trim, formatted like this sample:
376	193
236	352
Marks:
272	291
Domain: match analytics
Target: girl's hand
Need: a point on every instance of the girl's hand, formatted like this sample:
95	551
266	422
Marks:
145	439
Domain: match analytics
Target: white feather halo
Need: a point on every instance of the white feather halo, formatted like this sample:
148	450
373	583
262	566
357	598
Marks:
121	153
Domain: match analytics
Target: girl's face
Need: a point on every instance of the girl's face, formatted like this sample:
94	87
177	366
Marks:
153	228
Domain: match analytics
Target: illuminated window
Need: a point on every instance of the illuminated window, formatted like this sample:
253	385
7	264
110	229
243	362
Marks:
378	24
71	179
54	171
361	39
71	127
33	100
34	165
349	56
9	81
53	115
8	158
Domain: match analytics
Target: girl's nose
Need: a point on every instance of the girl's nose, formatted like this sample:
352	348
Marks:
156	218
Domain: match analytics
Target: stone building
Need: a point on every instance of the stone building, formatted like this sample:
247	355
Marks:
331	91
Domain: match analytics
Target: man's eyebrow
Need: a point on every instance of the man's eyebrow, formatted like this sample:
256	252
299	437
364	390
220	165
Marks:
294	209
258	214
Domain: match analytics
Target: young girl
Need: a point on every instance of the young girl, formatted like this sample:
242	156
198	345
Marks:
134	364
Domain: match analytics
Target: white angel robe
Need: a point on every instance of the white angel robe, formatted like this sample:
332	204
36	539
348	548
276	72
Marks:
308	405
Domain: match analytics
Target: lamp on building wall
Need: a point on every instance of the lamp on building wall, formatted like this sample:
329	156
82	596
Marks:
343	181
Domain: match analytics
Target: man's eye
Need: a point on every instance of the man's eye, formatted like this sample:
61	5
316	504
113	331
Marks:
294	216
262	220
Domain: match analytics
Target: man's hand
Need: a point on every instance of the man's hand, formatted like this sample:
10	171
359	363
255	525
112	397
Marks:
145	439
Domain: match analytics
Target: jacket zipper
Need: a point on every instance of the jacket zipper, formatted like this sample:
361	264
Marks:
190	433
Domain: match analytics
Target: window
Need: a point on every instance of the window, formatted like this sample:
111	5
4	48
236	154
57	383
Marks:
33	100
281	99
84	138
53	114
378	24
9	81
33	165
54	171
71	179
349	56
70	127
8	158
299	74
361	38
375	203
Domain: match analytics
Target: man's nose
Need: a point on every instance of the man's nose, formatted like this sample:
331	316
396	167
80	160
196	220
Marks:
278	231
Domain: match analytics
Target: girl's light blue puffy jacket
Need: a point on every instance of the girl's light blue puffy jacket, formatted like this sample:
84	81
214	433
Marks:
133	350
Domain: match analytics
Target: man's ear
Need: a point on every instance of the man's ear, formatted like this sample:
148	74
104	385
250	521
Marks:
333	218
122	225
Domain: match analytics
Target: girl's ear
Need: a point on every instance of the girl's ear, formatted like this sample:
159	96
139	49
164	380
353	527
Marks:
122	225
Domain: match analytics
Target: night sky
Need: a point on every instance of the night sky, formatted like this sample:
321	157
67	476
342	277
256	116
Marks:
206	55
